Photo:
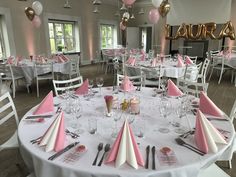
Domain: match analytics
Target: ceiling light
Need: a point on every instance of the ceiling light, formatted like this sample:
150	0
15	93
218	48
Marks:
123	7
97	2
67	4
96	10
141	11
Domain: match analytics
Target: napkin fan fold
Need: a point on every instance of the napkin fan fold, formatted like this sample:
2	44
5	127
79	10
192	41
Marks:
46	105
206	135
54	137
83	89
125	149
208	107
172	89
127	85
188	61
180	62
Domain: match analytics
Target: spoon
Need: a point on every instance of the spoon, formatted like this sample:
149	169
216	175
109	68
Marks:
107	148
100	147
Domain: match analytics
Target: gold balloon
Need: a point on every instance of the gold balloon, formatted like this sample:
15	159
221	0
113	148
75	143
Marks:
164	8
208	30
167	32
190	31
30	13
182	32
227	31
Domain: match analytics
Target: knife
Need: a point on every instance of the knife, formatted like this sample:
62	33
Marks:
63	151
39	116
147	156
153	157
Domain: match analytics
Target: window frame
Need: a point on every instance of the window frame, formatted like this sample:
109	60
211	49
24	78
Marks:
63	23
115	32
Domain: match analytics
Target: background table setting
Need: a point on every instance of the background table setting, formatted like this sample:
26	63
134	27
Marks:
126	130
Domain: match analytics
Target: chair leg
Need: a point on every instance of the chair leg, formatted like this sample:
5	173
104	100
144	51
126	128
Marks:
37	85
210	74
221	73
14	89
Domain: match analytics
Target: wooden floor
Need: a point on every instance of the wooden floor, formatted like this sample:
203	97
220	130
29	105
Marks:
11	164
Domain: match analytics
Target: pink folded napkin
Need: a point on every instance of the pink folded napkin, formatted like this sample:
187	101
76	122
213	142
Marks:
188	61
127	85
131	61
60	59
64	58
83	89
208	107
172	89
46	105
125	149
54	137
180	61
206	135
154	62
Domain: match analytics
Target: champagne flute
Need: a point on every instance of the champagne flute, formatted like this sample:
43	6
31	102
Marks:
76	111
99	82
165	111
117	114
90	85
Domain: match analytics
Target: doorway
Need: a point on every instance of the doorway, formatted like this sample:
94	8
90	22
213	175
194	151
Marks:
146	37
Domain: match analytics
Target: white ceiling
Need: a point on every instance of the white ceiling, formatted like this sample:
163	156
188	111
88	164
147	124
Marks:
137	2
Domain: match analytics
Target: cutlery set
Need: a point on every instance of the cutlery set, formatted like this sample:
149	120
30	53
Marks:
153	157
189	146
100	148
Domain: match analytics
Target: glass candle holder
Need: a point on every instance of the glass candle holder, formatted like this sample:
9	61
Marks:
135	105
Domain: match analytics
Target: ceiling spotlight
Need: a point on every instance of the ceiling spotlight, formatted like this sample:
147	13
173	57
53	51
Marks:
67	5
132	16
96	10
141	12
97	2
123	7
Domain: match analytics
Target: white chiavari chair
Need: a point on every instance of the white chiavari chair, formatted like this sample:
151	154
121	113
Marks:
61	86
136	80
203	71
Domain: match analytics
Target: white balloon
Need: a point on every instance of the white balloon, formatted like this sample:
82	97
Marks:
156	3
38	7
126	14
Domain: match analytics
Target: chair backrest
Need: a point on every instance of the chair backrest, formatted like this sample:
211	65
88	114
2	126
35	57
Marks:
193	88
74	67
61	86
150	54
7	109
191	73
193	58
232	115
204	69
136	80
150	73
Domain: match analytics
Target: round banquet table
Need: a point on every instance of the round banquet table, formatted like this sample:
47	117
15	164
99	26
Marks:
168	68
188	162
26	69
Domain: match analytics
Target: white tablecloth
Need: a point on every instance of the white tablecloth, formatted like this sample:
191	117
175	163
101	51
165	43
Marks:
189	163
168	68
26	69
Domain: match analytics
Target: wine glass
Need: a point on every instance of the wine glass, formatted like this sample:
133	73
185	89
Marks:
164	86
165	110
90	86
99	82
181	112
76	111
117	114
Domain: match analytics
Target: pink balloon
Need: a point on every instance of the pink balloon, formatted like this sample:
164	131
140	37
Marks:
36	21
154	16
128	2
122	27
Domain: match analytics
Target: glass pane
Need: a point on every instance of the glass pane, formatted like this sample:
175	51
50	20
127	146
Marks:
59	30
53	45
51	30
68	30
60	45
70	44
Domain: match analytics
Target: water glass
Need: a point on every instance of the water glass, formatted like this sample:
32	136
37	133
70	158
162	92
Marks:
100	82
165	110
92	125
140	127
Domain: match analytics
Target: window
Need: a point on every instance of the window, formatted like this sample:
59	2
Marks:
62	36
107	40
2	47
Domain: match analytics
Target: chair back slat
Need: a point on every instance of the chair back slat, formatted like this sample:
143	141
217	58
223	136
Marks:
7	109
233	112
63	85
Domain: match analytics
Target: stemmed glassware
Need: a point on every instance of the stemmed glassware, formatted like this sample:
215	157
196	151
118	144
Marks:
164	86
76	110
165	110
117	114
99	82
181	112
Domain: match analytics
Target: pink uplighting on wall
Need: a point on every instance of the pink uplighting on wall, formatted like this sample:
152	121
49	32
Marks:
29	39
230	44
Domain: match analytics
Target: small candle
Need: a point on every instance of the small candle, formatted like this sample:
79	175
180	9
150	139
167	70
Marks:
134	106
